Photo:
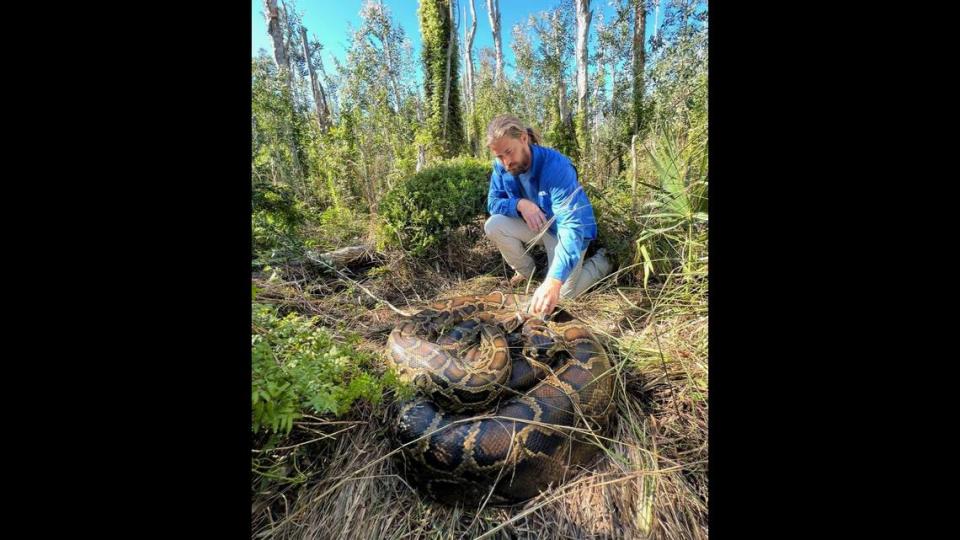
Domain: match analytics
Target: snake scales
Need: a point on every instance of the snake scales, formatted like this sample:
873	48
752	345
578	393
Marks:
501	386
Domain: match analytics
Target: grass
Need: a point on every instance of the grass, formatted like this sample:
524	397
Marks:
650	480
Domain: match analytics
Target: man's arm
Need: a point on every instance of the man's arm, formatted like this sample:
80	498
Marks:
569	241
569	233
498	200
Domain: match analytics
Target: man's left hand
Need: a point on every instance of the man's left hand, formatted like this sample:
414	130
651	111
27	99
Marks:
546	296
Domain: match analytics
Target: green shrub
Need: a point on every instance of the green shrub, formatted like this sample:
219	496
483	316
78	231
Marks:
337	227
277	220
419	212
297	368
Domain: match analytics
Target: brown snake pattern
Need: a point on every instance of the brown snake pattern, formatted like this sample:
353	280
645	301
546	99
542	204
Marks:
501	387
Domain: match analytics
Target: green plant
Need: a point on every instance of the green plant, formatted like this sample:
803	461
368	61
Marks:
298	367
674	231
418	213
276	220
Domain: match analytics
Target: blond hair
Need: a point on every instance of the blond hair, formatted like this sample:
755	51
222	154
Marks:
511	126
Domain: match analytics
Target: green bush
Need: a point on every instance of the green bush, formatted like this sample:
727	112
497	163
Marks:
419	212
277	220
297	368
339	226
667	233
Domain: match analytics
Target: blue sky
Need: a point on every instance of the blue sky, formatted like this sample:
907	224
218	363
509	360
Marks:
327	21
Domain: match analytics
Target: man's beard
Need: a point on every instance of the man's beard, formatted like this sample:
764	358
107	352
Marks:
520	169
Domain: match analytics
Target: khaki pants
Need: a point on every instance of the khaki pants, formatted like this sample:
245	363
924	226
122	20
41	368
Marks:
510	236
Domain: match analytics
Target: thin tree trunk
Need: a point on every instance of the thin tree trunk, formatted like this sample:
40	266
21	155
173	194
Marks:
315	86
280	56
656	17
272	15
370	189
332	106
468	55
470	97
421	150
639	57
583	30
598	94
561	90
291	53
446	90
633	170
464	90
493	11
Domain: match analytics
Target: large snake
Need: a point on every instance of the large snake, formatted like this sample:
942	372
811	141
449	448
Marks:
512	403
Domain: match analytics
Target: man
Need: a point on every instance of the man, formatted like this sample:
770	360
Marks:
530	186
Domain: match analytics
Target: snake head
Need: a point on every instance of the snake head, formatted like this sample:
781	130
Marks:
539	340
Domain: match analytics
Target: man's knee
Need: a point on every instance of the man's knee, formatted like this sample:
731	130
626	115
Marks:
494	224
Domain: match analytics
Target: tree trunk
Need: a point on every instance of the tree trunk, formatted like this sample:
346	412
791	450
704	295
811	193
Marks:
291	54
315	86
656	16
583	113
421	149
633	170
639	56
280	56
599	89
369	187
332	106
446	90
561	91
468	57
272	15
442	133
493	11
598	101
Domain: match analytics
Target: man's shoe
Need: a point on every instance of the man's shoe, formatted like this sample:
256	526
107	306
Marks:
516	281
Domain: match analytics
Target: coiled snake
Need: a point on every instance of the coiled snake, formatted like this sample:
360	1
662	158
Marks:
503	390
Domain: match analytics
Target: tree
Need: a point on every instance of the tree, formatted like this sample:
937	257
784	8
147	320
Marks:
583	113
275	29
553	30
443	135
373	145
493	11
532	100
280	55
679	55
323	113
639	58
389	37
471	96
614	56
291	21
277	126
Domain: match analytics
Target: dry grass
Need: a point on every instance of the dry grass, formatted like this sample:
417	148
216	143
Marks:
650	481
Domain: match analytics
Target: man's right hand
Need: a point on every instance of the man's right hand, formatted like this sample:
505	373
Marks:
532	215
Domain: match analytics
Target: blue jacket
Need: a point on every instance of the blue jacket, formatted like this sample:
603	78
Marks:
552	179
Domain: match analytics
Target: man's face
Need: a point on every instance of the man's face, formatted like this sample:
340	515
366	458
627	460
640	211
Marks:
513	154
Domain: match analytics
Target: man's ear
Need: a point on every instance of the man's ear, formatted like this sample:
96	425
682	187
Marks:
524	138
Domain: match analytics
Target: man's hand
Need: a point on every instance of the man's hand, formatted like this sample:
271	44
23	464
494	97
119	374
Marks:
532	215
546	296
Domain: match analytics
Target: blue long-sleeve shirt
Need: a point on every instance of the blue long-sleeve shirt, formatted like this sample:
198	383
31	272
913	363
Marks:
551	183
